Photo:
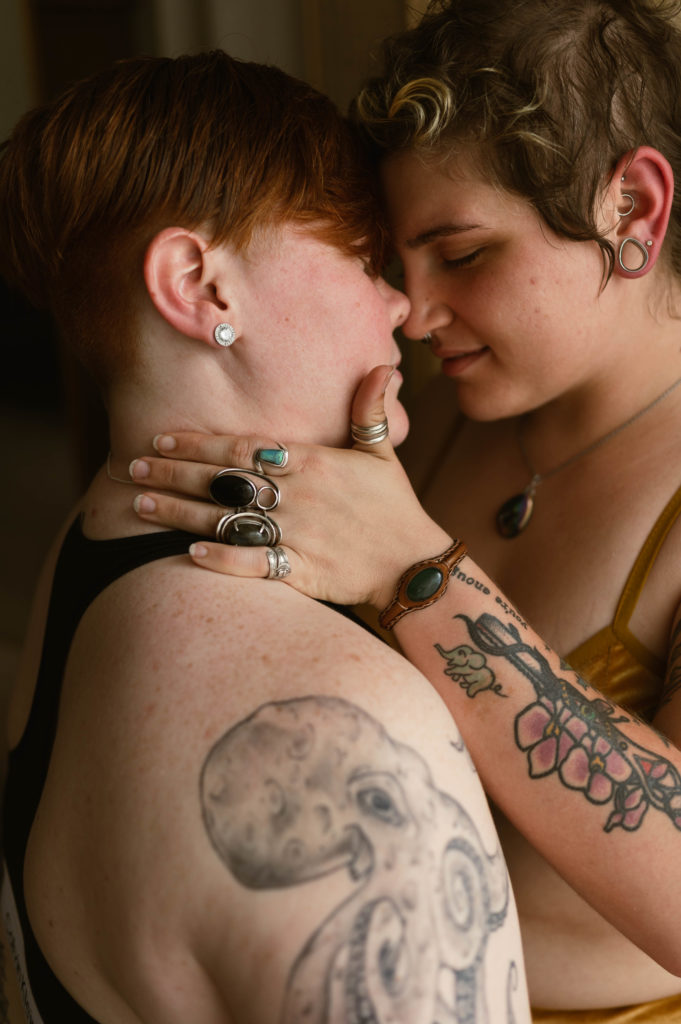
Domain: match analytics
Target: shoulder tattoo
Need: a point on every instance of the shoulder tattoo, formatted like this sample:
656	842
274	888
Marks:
305	788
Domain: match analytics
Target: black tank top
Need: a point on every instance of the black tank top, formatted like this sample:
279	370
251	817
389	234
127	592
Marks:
84	569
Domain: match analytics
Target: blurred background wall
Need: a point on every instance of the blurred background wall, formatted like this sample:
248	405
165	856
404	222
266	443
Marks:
52	433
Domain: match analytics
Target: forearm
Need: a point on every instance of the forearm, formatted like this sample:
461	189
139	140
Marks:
595	790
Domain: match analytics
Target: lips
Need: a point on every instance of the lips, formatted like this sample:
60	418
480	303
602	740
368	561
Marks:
455	364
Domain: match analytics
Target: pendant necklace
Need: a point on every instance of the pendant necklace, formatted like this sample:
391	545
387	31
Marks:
515	513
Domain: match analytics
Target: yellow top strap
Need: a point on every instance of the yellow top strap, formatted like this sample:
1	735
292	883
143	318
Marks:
642	566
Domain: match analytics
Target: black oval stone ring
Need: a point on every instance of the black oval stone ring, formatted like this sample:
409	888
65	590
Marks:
233	488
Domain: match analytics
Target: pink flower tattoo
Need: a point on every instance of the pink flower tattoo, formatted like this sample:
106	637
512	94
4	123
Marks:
579	739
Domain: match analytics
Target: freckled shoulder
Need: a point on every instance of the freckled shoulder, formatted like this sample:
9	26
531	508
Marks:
250	742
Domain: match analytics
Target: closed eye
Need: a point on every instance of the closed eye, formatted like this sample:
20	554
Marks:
462	261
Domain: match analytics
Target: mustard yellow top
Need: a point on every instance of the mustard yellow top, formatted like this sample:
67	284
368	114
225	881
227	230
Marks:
614	660
660	1011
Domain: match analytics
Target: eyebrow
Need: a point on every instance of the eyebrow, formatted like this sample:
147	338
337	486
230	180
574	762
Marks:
441	231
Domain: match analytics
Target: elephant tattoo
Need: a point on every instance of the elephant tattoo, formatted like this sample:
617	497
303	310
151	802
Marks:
306	787
469	669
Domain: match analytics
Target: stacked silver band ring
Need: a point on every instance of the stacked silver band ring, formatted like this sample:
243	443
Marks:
249	524
279	565
369	435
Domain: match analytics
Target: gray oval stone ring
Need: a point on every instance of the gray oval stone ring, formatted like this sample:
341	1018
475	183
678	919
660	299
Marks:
248	529
233	488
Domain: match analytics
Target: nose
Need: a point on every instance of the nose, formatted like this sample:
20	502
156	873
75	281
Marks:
396	301
427	312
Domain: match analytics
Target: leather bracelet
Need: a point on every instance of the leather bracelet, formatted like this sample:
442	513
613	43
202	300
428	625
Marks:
422	584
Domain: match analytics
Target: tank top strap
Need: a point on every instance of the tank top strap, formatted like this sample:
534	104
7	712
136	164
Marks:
643	564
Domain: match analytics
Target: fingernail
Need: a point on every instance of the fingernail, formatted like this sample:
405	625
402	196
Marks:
388	378
139	469
164	443
198	550
143	503
273	456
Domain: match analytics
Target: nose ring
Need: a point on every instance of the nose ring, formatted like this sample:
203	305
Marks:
427	338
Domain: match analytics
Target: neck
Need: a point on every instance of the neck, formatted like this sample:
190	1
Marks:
608	399
191	401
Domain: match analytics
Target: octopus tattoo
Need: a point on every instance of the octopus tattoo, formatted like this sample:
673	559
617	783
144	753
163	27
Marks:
303	788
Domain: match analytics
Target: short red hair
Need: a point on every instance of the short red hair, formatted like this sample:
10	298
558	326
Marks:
87	180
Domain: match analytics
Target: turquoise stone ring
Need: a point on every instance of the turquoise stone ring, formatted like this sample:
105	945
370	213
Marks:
271	457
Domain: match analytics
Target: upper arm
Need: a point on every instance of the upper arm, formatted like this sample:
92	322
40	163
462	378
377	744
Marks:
291	799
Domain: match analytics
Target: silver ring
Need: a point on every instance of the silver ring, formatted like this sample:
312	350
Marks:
279	565
231	488
248	529
427	338
369	435
632	207
277	457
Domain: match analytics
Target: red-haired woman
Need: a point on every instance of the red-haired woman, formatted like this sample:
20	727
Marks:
220	803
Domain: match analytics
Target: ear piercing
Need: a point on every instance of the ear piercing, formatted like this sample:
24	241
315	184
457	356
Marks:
643	250
627	195
225	335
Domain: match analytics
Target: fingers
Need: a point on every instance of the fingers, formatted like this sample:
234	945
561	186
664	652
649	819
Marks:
235	561
200	517
190	478
218	451
368	409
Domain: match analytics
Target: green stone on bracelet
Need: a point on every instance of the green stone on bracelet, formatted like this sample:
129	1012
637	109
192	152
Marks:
424	584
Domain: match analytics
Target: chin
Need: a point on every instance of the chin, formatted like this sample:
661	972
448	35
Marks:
484	408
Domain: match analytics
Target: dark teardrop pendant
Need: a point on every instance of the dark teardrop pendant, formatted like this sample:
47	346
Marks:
515	514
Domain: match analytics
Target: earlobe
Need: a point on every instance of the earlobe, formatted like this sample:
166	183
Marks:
178	274
643	184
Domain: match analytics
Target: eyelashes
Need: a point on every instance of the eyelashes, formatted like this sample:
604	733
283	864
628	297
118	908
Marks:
463	261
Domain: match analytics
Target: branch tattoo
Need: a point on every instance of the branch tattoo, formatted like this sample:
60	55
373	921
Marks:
564	732
308	787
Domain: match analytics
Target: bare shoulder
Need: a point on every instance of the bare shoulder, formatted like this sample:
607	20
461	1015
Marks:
266	783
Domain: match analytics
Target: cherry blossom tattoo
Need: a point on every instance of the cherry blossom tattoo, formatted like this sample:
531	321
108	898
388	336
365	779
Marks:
308	787
564	731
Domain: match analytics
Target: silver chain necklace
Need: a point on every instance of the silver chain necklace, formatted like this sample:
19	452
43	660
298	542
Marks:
515	513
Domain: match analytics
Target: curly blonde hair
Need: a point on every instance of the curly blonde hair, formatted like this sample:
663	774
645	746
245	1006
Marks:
552	93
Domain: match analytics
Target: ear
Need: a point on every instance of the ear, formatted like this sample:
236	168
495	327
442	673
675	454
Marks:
643	190
183	279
